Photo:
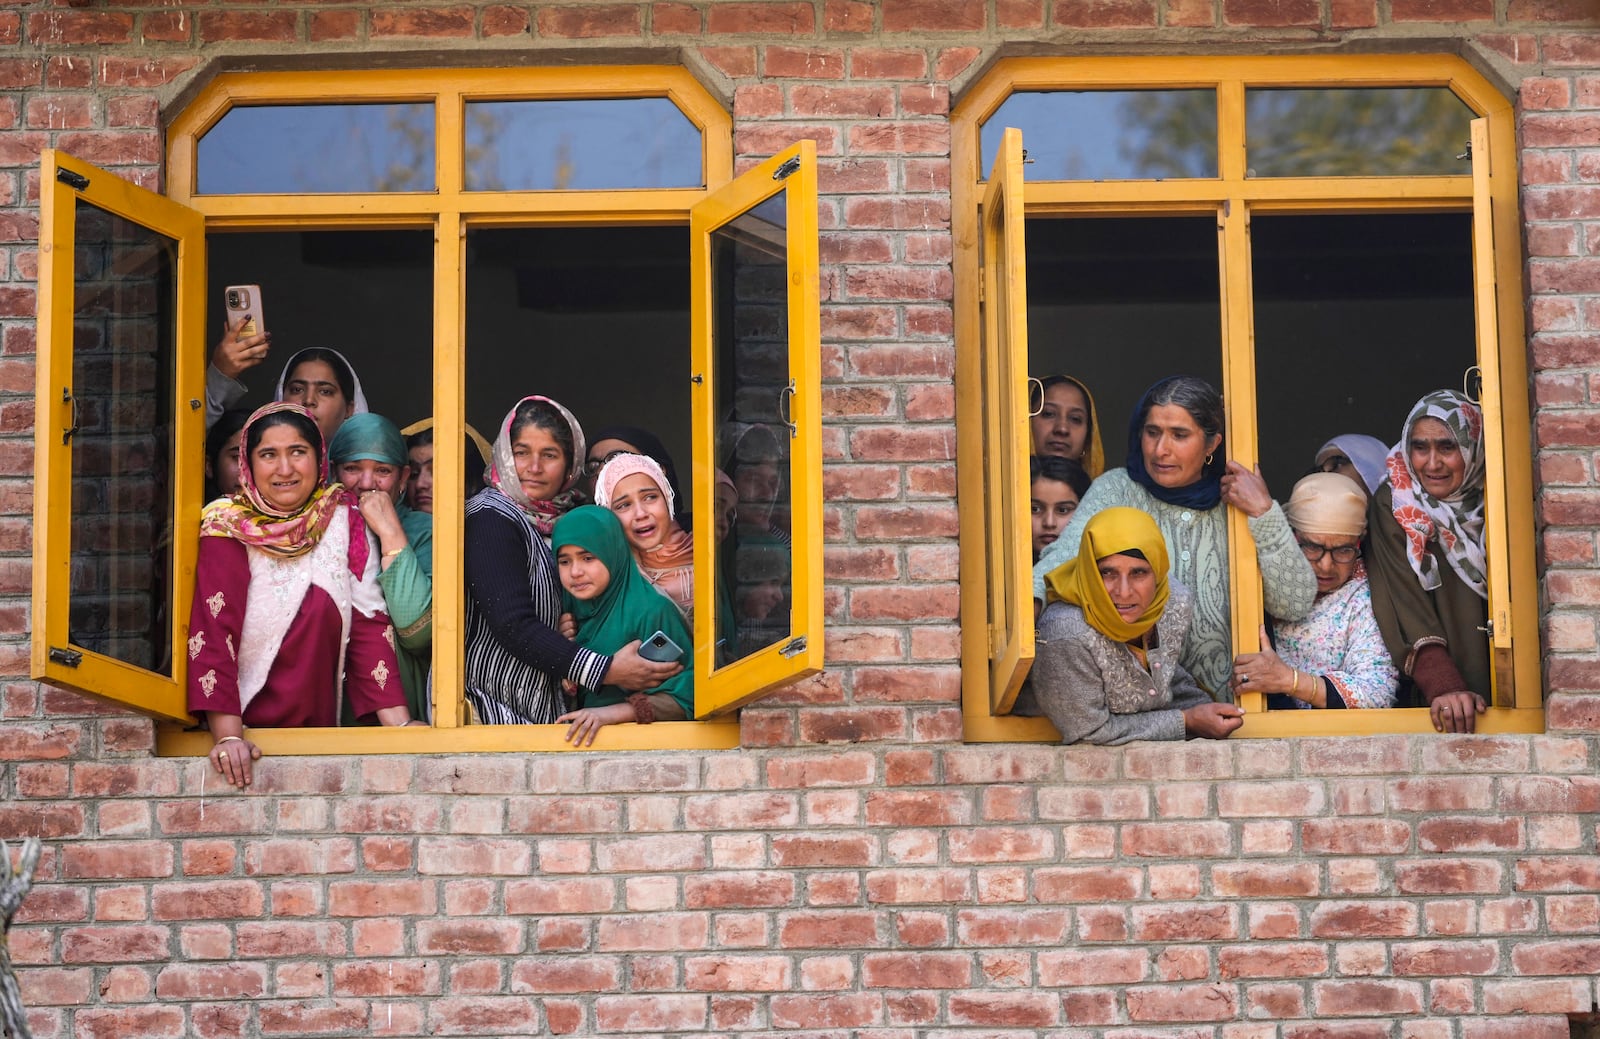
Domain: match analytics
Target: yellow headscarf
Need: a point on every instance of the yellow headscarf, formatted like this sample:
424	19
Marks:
1077	581
1093	458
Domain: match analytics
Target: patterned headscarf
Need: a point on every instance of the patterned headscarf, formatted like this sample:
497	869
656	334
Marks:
502	474
1077	581
1456	522
248	518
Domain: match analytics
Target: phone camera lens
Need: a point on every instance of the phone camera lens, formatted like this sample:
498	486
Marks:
233	299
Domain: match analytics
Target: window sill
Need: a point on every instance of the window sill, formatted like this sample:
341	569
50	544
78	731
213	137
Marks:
713	734
1277	724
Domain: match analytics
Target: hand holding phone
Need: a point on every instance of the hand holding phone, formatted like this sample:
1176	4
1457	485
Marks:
660	648
244	345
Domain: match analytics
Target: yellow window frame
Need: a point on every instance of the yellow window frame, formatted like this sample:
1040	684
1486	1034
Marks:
793	172
449	210
52	649
1488	193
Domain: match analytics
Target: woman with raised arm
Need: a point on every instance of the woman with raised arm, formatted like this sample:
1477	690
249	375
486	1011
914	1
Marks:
1177	472
516	656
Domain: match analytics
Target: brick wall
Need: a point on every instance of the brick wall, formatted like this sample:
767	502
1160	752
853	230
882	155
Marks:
854	870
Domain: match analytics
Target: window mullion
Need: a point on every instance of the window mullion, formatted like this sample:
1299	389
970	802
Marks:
1230	130
449	469
1239	436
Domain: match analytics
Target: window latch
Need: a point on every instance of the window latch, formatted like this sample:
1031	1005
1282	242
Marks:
67	657
73	179
787	169
786	409
1465	156
795	647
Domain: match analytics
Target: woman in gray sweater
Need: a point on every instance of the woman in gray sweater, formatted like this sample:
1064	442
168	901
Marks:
1107	669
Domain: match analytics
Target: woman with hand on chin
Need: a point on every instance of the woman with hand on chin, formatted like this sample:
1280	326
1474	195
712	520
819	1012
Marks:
288	619
1176	472
1430	587
1107	669
369	459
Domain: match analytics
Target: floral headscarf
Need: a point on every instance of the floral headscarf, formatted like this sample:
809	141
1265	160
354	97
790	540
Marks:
1455	522
248	518
502	474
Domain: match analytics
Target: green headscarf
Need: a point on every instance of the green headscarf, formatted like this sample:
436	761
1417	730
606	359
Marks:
368	436
630	607
372	436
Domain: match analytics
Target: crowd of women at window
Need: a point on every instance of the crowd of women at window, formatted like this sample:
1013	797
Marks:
1373	571
314	580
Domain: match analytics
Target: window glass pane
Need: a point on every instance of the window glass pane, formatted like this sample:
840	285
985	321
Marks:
1121	302
1389	131
1110	134
1356	317
750	331
122	446
318	149
644	142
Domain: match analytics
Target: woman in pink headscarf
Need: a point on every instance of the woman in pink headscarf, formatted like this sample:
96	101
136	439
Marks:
636	488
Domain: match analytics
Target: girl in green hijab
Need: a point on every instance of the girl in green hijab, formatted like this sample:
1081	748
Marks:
613	606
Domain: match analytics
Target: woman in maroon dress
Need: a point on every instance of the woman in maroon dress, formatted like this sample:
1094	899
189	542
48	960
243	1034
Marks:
287	616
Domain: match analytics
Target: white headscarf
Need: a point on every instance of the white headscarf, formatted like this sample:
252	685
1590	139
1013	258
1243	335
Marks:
358	398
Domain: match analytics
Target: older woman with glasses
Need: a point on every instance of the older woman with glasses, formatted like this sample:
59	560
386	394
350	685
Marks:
1335	657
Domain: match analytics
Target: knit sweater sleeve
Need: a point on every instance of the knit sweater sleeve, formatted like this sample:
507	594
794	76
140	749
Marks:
1288	584
496	566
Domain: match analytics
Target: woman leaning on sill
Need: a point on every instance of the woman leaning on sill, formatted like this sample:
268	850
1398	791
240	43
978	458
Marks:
1426	556
1177	473
288	618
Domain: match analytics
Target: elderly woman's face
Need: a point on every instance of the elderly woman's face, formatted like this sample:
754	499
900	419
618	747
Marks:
1175	447
1436	458
1333	558
1131	584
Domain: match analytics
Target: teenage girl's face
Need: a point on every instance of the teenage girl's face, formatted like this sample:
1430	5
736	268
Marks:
642	507
581	572
1062	426
1131	584
419	492
541	463
227	467
284	467
1175	447
1053	505
1436	458
369	474
314	385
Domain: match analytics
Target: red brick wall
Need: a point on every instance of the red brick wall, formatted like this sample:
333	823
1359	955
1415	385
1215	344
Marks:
855	869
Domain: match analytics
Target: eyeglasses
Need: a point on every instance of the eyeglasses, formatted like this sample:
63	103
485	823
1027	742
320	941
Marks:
1341	554
594	465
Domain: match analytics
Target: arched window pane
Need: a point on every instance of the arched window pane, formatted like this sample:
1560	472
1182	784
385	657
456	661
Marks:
318	149
1110	134
644	142
1391	131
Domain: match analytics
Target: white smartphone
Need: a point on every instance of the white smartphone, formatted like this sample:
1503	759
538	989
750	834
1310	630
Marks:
660	648
243	307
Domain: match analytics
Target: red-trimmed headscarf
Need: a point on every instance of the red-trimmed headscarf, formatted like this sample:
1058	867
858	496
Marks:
502	474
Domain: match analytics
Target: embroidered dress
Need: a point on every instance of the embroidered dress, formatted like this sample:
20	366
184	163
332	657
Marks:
278	641
1340	642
